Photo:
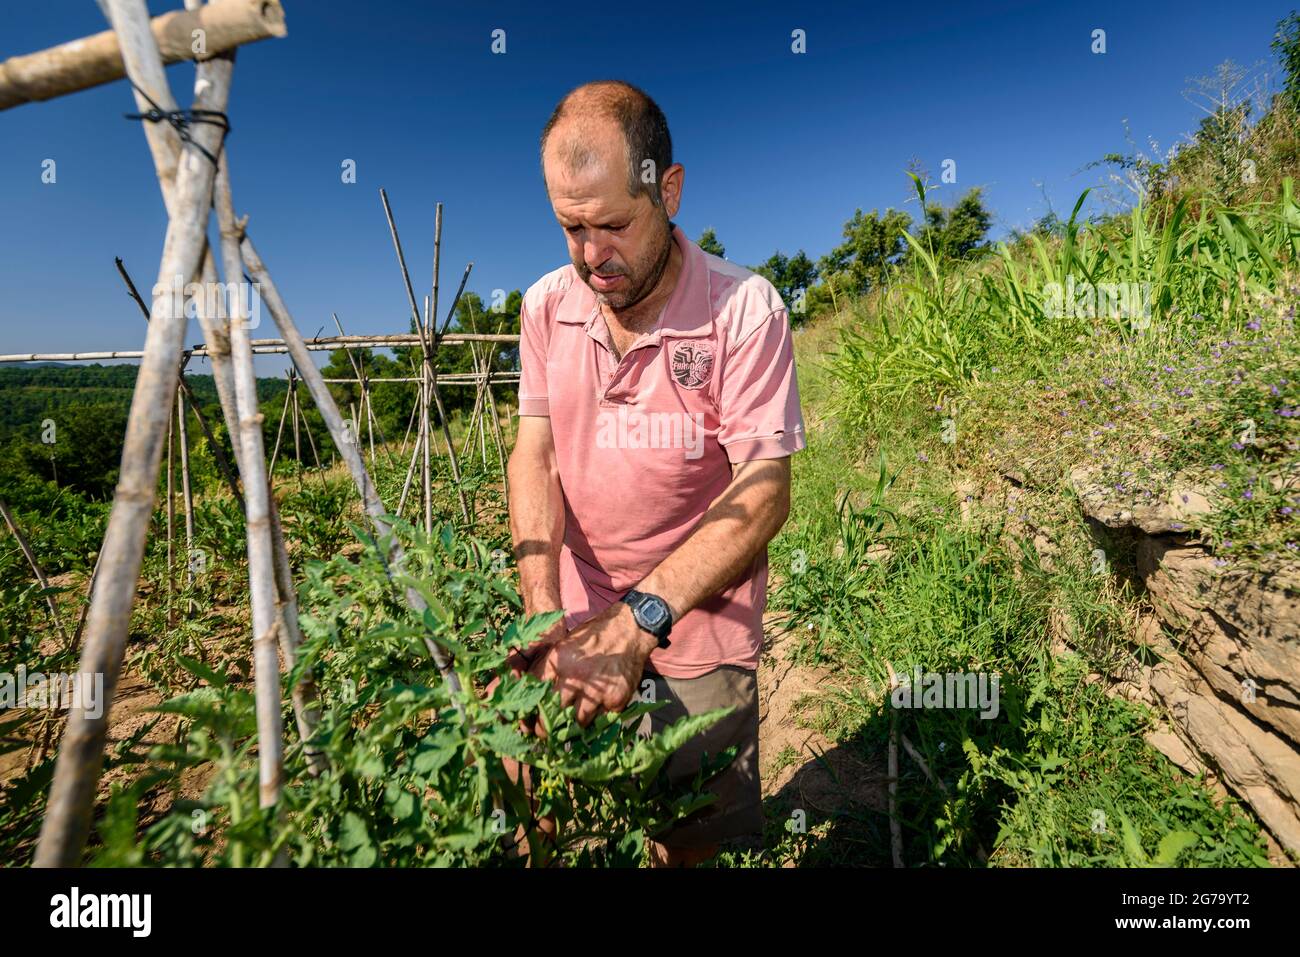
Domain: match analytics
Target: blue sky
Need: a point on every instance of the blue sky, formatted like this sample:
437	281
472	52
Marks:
779	148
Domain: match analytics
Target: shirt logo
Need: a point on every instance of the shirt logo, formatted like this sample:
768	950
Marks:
692	363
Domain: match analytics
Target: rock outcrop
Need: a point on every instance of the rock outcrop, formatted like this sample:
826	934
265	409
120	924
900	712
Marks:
1229	650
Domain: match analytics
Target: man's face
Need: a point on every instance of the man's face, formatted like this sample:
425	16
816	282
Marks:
619	245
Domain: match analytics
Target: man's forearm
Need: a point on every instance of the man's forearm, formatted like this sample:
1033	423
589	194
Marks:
537	528
737	526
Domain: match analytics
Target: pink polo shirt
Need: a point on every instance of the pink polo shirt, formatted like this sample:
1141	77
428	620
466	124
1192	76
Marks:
644	445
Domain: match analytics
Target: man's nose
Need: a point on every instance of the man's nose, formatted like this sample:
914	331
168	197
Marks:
596	253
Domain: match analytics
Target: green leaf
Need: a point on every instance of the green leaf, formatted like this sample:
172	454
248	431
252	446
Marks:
434	752
1172	845
355	839
202	671
519	697
1132	843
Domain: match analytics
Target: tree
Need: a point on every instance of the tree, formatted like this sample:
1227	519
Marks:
872	245
1286	44
957	233
790	275
708	241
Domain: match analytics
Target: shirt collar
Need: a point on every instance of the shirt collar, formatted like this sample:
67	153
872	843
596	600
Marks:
687	312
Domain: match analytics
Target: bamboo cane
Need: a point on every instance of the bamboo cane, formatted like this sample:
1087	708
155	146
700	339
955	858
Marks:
490	353
428	347
143	64
264	346
216	73
311	444
171	506
17	533
280	430
67	821
98	59
500	444
463	378
297	447
410	471
410	421
428	466
306	701
187	500
364	381
216	333
218	454
85	605
895	828
261	570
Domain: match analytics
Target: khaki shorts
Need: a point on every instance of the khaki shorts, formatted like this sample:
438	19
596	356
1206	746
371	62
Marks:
738	811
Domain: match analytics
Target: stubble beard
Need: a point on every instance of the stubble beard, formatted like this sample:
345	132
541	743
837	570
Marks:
620	301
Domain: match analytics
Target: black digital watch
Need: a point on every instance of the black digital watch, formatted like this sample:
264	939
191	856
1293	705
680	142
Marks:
651	613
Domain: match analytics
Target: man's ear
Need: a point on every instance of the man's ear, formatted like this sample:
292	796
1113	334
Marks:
670	188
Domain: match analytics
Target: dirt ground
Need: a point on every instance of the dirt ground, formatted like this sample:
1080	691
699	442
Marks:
800	768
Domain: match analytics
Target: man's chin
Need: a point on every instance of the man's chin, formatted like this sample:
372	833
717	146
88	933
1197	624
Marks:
614	300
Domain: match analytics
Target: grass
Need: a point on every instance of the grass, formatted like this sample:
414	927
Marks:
906	548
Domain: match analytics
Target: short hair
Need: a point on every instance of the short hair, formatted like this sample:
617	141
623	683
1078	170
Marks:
644	126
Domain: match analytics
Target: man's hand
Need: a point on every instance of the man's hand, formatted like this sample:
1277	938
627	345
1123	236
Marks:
522	660
597	668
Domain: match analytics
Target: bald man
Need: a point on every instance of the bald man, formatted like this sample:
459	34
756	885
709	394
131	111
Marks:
658	412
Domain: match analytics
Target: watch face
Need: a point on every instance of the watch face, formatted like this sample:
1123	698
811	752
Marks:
655	613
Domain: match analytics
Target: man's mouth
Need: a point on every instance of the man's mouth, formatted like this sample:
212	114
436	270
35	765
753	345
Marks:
606	283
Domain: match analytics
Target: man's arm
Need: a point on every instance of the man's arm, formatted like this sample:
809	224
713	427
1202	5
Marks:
738	525
537	517
597	667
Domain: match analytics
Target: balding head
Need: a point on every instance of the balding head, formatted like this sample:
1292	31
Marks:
610	123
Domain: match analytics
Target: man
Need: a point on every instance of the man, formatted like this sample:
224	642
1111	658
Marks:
658	410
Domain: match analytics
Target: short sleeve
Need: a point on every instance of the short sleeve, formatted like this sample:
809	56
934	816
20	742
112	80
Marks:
759	395
532	363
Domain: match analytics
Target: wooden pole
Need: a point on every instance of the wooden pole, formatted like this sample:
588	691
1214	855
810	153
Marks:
17	533
267	623
428	469
67	820
171	508
218	454
409	423
187	497
489	357
306	700
288	393
363	380
85	605
311	444
428	346
500	444
263	347
297	447
415	455
98	59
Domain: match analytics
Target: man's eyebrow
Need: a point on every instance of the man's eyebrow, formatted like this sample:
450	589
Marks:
613	221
